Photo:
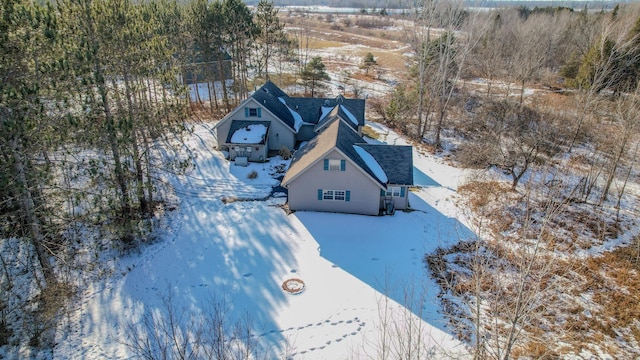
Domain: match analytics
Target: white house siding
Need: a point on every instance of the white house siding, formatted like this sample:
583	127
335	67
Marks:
399	202
402	203
280	135
258	152
364	193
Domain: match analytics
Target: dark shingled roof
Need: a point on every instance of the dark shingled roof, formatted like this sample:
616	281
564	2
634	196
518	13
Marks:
309	108
395	160
345	140
267	95
239	124
338	112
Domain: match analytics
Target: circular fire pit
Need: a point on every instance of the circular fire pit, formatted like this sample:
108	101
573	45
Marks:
293	286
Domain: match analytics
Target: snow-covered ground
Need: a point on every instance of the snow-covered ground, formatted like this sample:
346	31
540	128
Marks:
244	250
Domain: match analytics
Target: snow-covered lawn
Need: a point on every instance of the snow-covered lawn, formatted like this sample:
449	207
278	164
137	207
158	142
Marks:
245	250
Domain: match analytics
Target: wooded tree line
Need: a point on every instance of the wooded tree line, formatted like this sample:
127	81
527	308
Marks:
475	75
590	57
88	91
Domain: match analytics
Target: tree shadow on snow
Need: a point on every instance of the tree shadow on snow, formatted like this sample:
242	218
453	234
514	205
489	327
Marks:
232	256
387	252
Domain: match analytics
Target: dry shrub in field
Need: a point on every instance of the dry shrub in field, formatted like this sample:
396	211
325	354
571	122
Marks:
613	282
481	194
601	227
576	324
489	199
579	161
285	153
373	22
620	286
554	100
534	350
635	331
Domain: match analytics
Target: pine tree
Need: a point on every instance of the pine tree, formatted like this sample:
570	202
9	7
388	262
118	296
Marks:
271	33
28	35
205	27
368	61
240	32
314	72
123	67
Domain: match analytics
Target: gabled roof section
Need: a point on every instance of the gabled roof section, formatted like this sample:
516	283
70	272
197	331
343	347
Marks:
395	160
345	140
294	111
311	109
340	111
269	95
308	154
336	135
260	130
271	88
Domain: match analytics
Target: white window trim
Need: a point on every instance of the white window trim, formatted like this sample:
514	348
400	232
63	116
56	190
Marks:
334	195
334	164
394	191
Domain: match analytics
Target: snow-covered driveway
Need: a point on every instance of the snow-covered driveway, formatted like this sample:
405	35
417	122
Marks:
244	250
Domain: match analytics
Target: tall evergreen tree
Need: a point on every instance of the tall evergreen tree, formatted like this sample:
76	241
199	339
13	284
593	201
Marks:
94	30
28	33
240	32
314	72
206	29
123	67
270	34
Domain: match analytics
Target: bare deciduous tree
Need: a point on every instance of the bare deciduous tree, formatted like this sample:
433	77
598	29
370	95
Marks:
174	332
500	282
510	137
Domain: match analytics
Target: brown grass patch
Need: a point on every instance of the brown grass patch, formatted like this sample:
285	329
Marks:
394	61
554	100
369	132
364	77
535	350
320	43
481	194
283	80
618	288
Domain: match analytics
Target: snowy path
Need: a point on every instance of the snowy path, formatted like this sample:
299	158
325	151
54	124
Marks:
358	270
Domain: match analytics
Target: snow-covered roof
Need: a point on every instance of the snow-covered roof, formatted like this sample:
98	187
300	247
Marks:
295	112
248	132
252	134
372	164
395	160
325	110
296	117
339	135
349	115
